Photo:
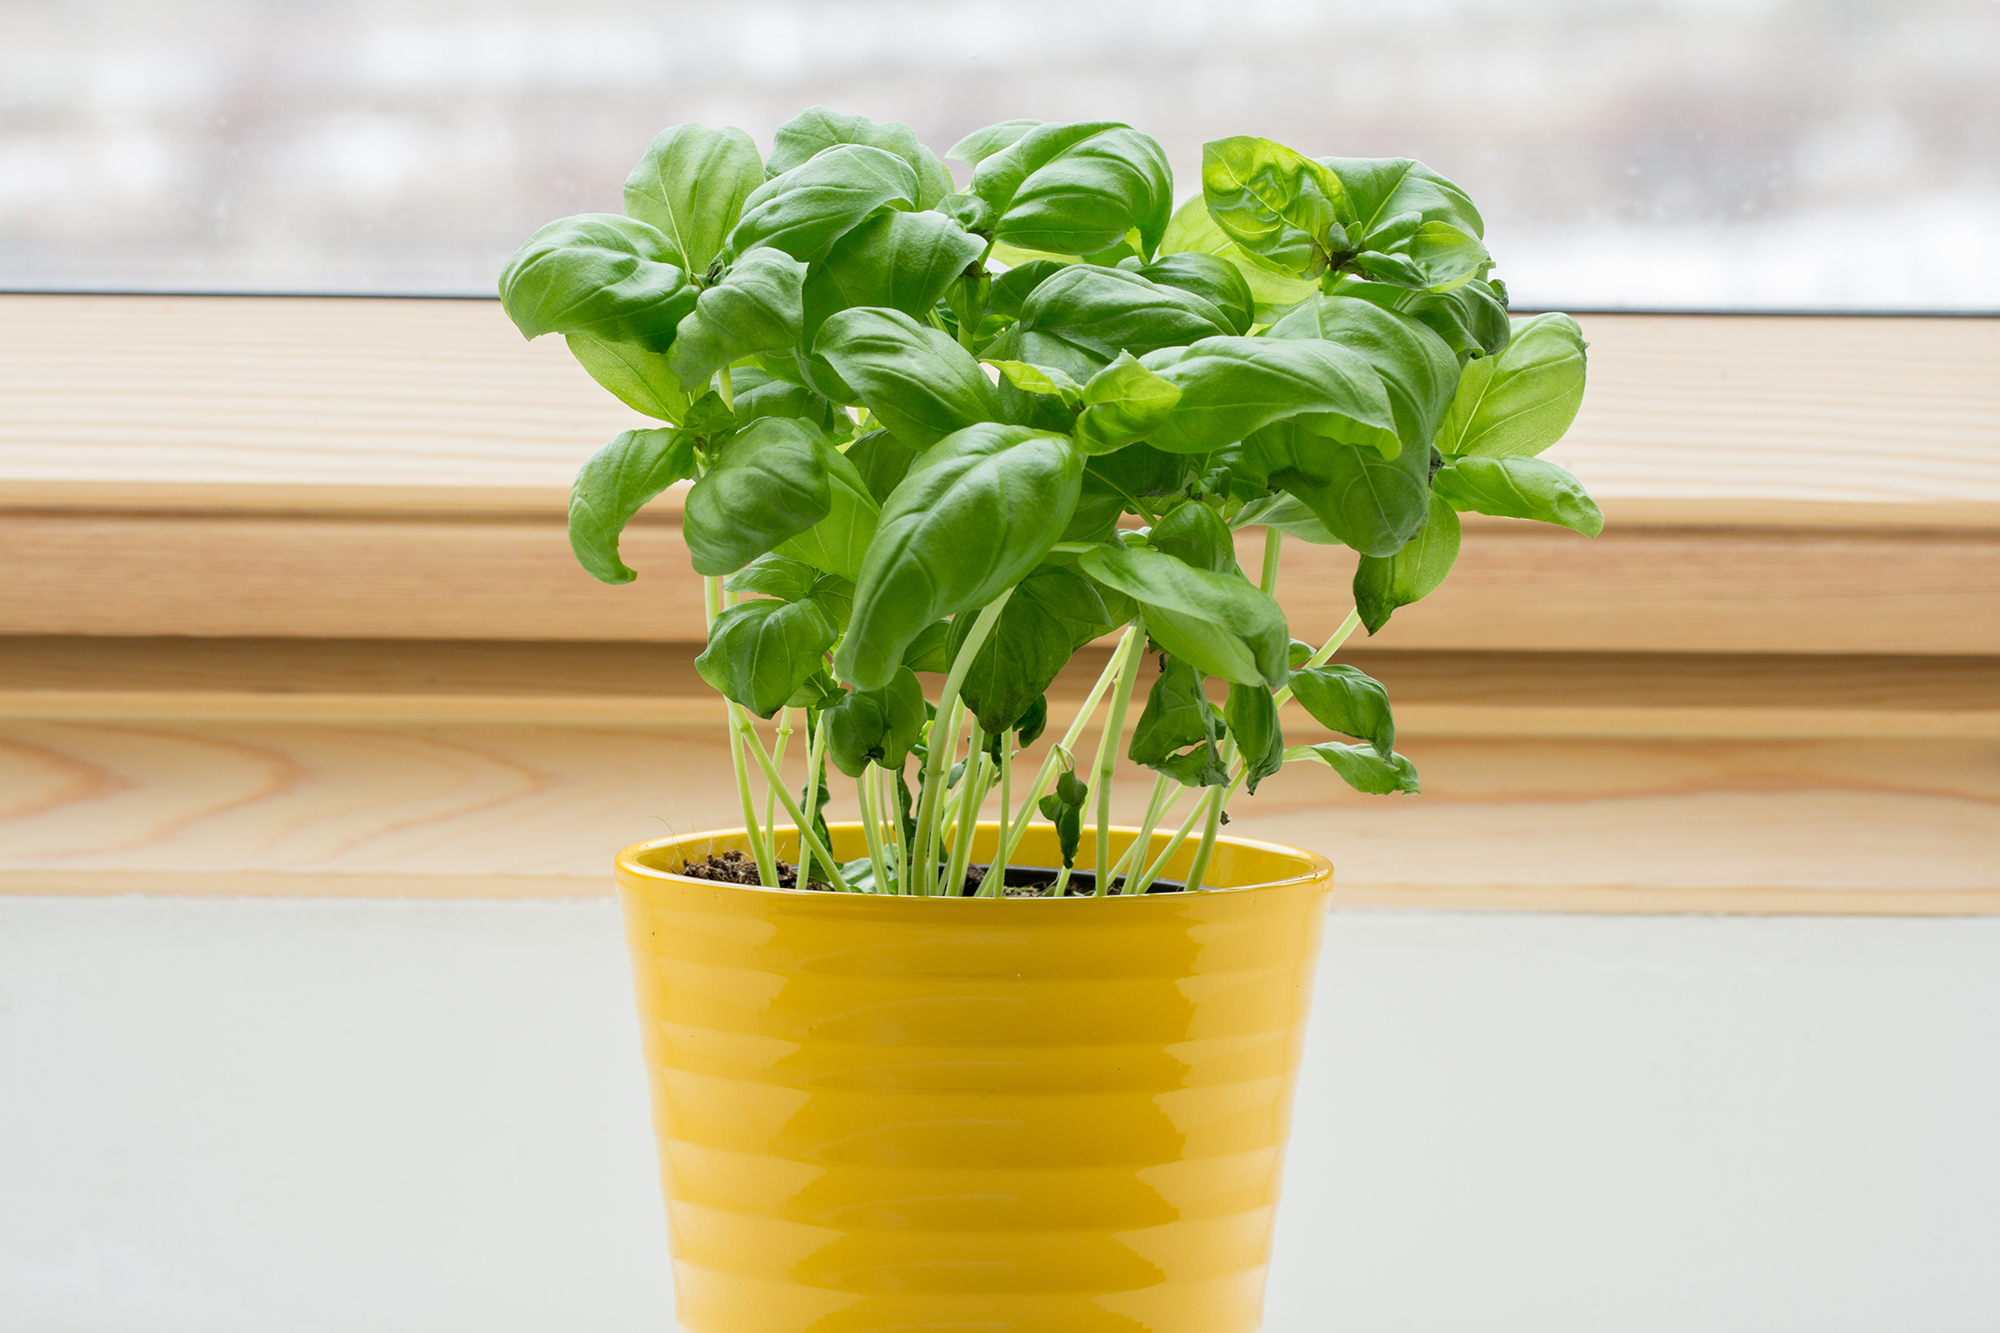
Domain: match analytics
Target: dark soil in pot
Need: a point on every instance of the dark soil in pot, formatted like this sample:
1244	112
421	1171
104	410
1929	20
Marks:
735	867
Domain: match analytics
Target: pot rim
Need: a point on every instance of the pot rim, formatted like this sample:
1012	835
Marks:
1314	867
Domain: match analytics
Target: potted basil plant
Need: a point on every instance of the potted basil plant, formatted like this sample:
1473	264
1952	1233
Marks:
933	1069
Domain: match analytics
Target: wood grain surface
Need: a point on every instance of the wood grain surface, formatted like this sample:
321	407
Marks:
1552	782
329	403
1517	586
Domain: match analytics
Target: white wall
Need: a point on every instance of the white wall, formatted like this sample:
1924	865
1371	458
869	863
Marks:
232	1115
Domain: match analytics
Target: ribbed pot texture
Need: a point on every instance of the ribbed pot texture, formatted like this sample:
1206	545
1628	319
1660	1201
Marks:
923	1114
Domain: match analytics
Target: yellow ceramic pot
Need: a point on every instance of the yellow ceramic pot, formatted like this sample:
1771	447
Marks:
914	1114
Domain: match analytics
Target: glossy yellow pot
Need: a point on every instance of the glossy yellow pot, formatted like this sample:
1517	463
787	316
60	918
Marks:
913	1114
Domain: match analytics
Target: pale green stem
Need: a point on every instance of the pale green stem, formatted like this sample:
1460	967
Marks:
1152	872
1156	810
723	387
1062	884
778	758
1210	827
807	837
1274	540
1024	814
893	811
999	869
815	761
970	797
1107	761
936	763
945	810
872	827
767	870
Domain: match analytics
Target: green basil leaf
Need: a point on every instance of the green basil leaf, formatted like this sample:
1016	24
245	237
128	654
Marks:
896	261
1216	281
1288	514
757	393
1515	487
1275	202
1417	368
1521	401
769	484
1363	501
1252	716
1101	312
917	381
968	211
1436	257
804	211
760	652
774	575
816	129
882	460
1031	724
1053	612
1076	189
1196	535
1381	584
1047	381
1123	403
755	307
1011	289
1221	624
1361	768
878	726
600	274
1343	699
1063	807
836	543
1233	386
691	184
1178	715
979	145
1385	188
931	649
640	379
981	508
613	485
1472	319
1300	653
1274	290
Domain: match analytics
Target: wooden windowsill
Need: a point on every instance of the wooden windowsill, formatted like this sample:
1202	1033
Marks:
286	607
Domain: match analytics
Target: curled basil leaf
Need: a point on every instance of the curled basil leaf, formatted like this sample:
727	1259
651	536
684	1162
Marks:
613	485
981	508
1344	699
1381	584
761	652
769	484
755	307
691	185
816	129
1521	401
1517	487
805	210
1221	624
917	381
1074	189
878	726
599	274
1361	768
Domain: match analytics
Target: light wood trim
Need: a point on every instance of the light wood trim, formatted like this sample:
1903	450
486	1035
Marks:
1566	695
346	405
1521	587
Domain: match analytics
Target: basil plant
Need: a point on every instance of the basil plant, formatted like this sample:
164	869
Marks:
967	425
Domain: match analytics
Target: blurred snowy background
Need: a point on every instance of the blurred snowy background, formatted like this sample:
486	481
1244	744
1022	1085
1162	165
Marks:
1762	154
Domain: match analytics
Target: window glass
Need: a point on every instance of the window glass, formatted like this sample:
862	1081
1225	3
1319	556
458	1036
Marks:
1759	154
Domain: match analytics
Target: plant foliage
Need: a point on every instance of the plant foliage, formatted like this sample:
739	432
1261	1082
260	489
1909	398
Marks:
971	423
